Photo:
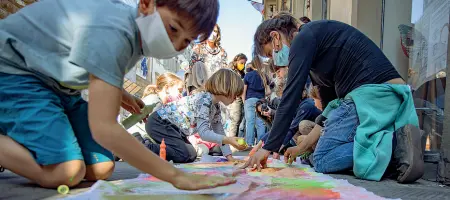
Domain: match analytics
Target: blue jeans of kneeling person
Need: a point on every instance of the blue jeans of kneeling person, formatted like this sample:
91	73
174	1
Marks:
334	150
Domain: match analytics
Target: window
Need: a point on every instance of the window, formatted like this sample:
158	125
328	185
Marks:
425	42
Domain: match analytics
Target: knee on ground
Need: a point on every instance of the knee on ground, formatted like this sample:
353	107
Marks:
71	173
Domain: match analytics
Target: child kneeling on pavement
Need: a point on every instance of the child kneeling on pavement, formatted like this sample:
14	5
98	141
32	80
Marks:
197	113
49	134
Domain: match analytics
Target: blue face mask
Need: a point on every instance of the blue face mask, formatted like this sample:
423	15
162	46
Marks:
281	58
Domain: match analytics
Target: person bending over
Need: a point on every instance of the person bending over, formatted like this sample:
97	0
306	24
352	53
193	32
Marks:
371	112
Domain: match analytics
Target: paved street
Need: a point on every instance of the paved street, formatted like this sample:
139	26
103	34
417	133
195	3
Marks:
14	187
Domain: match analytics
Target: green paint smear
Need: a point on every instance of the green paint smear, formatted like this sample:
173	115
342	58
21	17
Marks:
300	183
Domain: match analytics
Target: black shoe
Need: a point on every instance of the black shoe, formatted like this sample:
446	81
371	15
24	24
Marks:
138	137
116	158
408	154
148	139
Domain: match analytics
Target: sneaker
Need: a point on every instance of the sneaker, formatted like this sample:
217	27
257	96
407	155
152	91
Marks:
2	169
148	139
138	137
408	154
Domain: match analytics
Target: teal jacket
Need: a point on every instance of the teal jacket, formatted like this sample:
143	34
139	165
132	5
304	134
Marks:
382	109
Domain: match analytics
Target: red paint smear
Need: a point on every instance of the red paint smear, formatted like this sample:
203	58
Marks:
286	194
152	178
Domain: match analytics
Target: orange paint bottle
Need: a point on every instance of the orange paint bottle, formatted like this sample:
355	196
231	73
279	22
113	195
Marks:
162	150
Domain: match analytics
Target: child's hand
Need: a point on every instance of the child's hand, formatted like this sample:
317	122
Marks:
292	153
233	141
230	158
186	181
131	103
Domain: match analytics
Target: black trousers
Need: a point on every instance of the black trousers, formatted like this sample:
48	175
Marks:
178	148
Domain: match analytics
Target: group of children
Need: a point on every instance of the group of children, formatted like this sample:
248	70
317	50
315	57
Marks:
53	137
195	142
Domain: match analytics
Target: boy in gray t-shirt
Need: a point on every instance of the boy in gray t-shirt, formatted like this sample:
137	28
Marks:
51	50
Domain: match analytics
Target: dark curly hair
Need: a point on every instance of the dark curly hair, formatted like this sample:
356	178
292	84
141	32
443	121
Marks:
283	23
305	19
203	14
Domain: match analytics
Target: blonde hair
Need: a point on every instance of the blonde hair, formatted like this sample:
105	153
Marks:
314	92
164	80
225	82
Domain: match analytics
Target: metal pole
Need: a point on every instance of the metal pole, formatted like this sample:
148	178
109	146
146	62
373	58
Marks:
383	11
291	10
444	162
324	9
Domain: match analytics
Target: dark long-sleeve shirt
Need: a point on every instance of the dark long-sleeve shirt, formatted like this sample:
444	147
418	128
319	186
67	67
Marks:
338	58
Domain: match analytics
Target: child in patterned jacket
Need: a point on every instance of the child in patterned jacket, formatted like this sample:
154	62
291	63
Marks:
198	113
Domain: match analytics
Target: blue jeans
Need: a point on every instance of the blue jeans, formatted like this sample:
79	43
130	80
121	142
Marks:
242	127
334	151
252	121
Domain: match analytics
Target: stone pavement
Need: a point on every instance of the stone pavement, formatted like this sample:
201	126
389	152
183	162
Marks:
14	187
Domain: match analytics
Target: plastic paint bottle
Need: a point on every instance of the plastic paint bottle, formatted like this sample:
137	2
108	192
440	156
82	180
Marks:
162	150
135	118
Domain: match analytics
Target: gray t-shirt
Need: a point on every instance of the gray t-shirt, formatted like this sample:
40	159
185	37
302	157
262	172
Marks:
61	42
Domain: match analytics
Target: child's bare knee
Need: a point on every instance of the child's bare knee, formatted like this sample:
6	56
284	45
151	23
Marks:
305	127
70	173
99	171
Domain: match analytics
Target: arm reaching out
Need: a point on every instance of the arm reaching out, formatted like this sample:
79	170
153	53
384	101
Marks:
104	103
306	145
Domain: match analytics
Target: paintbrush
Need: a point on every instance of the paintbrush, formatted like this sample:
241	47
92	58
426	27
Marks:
290	160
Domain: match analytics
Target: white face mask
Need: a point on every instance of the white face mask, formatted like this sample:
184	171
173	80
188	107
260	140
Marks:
155	40
213	37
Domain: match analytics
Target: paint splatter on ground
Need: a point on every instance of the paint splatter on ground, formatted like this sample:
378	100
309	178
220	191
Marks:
278	181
